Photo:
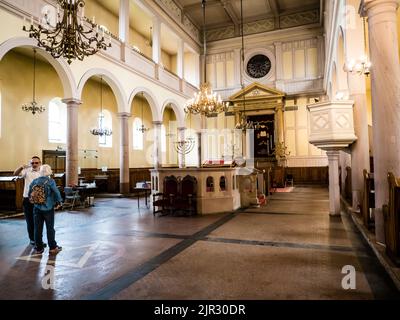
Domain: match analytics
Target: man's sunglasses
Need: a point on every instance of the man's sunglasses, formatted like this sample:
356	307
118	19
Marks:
35	162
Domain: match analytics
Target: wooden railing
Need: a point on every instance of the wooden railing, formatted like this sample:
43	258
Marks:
391	215
368	199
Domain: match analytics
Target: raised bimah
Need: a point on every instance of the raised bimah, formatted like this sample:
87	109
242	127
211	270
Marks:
217	188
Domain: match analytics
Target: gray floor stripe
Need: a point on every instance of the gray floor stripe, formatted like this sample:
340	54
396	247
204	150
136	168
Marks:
136	274
287	245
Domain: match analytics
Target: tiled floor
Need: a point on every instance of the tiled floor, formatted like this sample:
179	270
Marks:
290	249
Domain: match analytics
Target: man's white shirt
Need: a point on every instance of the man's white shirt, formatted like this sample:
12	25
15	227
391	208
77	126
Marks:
29	175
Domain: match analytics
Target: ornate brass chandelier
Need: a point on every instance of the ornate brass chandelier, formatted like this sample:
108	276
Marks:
69	37
33	105
205	102
101	130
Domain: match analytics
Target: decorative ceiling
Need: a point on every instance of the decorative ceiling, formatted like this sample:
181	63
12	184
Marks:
258	15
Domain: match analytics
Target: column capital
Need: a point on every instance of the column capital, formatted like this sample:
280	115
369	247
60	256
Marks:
69	101
124	114
368	7
181	128
157	123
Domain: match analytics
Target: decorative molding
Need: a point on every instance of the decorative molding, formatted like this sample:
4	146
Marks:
220	33
298	19
259	26
190	27
172	8
265	25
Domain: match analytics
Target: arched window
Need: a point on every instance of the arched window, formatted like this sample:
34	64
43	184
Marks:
163	139
138	136
57	121
210	184
222	183
105	121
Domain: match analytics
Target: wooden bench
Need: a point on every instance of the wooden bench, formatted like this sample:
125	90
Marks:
391	213
368	199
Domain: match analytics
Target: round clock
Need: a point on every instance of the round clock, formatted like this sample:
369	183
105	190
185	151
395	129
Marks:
258	66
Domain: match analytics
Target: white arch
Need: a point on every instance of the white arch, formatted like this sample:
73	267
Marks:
61	66
151	99
111	80
179	113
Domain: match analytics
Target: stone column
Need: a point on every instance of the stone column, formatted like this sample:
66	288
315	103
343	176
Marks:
181	156
279	123
357	92
124	20
180	59
385	88
199	140
124	153
279	83
334	191
72	141
157	154
156	40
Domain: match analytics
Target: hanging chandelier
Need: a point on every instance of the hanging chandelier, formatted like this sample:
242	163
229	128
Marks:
69	38
33	105
243	123
142	128
205	102
101	131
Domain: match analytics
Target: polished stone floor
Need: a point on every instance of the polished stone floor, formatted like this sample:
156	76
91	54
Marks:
290	249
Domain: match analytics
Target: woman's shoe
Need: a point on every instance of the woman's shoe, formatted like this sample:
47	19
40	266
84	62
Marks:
39	251
55	250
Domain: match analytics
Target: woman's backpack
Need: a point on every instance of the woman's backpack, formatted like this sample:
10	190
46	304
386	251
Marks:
38	193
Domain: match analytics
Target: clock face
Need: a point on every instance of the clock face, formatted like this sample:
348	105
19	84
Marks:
258	66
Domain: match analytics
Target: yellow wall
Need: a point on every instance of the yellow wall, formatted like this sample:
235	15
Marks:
296	130
169	157
23	134
88	119
102	16
111	22
141	158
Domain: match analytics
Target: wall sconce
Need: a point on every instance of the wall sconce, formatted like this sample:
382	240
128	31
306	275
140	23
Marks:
360	66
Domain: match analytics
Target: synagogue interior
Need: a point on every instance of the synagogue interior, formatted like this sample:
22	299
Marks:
220	149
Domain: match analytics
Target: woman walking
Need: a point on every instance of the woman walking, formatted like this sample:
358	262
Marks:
44	195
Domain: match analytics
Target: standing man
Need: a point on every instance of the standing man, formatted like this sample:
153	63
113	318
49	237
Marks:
29	172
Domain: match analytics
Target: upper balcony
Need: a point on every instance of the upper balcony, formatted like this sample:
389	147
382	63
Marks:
144	44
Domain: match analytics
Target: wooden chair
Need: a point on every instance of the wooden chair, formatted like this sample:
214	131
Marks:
186	201
166	199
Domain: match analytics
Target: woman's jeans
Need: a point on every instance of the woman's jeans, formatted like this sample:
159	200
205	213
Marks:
41	217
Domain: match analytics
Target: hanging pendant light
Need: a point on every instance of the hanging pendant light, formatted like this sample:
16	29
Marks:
243	123
205	102
33	105
142	128
101	131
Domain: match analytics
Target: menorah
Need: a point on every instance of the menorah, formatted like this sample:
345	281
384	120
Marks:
184	146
